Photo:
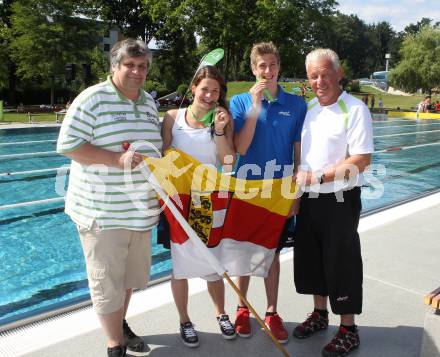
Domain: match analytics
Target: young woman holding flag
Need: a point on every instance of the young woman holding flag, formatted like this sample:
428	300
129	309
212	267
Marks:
204	130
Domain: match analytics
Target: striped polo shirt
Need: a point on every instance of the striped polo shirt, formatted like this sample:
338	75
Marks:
112	197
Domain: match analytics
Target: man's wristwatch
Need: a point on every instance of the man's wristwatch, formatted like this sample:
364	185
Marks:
321	178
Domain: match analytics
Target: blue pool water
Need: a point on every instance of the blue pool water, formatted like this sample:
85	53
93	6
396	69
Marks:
42	262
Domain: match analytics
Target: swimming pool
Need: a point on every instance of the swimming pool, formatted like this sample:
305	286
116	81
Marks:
42	263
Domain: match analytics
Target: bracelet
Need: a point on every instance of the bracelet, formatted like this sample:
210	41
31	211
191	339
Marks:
217	134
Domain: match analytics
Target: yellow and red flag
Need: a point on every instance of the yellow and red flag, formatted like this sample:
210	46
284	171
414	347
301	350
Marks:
239	221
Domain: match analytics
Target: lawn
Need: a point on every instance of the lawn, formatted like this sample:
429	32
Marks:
390	101
23	117
393	101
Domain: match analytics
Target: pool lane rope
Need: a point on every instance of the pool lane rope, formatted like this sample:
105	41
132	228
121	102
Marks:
17	173
401	126
31	203
412	133
398	148
28	154
28	142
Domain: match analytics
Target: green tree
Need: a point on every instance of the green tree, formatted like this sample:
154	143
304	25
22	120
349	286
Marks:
100	69
222	23
47	34
100	65
177	57
348	73
362	46
315	23
350	37
382	37
413	29
272	15
133	17
8	77
420	61
236	25
4	57
176	61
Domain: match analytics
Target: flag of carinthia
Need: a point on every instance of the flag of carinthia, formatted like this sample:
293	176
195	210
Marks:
239	221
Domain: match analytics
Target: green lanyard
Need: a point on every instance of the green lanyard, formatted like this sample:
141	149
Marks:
207	119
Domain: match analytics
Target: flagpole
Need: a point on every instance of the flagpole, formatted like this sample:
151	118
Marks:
212	260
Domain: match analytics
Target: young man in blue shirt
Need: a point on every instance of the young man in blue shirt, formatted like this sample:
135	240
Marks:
268	123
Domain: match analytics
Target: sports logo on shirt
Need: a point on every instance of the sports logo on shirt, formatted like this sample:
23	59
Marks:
284	114
119	116
152	119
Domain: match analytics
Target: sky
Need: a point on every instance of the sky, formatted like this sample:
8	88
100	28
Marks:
399	13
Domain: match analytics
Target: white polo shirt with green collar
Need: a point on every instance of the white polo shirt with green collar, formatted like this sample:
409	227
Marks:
332	133
111	197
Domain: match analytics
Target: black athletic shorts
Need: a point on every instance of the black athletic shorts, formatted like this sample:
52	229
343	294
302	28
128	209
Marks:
286	237
163	232
327	252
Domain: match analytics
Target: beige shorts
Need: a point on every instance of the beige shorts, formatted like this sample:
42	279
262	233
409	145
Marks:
116	260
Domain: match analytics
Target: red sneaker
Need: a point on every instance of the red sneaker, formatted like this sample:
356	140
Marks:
342	344
242	322
275	324
314	322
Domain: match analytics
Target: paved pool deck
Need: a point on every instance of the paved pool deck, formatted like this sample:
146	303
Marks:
400	249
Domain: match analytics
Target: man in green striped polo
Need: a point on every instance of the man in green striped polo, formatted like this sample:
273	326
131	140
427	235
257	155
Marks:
106	131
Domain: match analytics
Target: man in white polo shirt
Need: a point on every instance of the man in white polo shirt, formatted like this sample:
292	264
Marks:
108	197
336	147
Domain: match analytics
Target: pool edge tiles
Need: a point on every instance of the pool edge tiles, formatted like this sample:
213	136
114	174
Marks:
4	126
378	219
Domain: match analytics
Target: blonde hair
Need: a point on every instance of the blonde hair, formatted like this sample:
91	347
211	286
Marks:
264	48
324	53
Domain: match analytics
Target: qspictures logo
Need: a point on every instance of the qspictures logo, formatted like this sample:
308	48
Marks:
137	189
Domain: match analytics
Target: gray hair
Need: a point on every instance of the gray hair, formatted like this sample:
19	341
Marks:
129	47
324	53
